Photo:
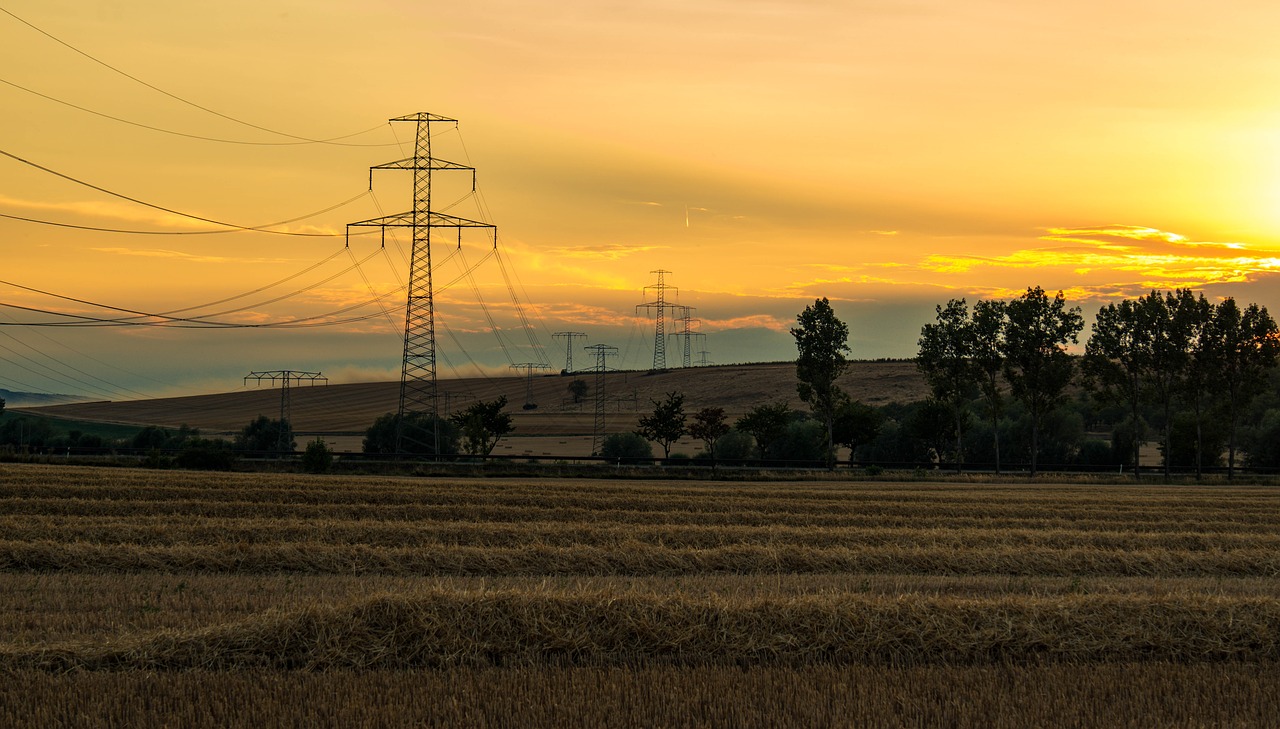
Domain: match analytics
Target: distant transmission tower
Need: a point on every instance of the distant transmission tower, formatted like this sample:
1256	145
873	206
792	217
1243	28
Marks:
285	378
659	307
686	322
529	367
418	365
602	351
568	338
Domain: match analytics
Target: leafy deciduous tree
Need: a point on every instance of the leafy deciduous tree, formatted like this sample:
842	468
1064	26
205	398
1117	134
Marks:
626	448
822	341
708	425
1245	345
381	437
766	424
1118	358
945	360
1036	362
483	424
856	424
265	434
988	361
667	423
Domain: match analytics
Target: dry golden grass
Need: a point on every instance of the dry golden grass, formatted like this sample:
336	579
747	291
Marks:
1171	696
654	602
533	626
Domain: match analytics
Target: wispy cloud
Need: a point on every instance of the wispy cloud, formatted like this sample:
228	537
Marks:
180	255
107	209
607	251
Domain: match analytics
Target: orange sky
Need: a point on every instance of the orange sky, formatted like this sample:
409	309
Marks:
888	155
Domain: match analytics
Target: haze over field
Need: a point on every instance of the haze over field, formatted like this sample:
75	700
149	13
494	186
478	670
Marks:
886	154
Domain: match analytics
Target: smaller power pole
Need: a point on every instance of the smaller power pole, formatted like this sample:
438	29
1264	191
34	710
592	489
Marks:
285	378
529	367
602	352
568	338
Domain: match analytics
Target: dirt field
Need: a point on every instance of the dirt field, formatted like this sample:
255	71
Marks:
352	408
161	598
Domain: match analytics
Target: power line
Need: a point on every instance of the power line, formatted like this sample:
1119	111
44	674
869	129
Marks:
172	131
303	140
260	229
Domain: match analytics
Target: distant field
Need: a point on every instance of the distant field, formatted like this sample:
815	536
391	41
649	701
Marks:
146	598
352	408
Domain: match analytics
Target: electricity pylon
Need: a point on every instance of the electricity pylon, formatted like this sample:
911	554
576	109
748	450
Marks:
418	365
659	306
686	322
285	378
528	393
568	338
602	352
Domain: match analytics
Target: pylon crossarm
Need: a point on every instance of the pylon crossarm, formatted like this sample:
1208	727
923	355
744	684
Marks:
434	220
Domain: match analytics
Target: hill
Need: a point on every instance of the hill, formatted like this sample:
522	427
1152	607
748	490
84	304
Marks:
343	412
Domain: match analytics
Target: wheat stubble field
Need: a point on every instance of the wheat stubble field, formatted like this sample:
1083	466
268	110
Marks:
161	598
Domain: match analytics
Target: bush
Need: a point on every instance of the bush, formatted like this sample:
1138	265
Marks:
419	440
629	448
317	458
203	454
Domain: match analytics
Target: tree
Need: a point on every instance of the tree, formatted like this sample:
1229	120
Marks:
1244	345
1118	358
1170	357
945	360
1	405
317	458
708	426
1195	315
382	436
855	424
483	424
666	425
988	362
822	341
626	448
766	424
264	434
1036	362
578	389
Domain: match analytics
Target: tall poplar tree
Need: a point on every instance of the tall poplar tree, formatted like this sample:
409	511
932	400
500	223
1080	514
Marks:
945	360
1037	364
822	341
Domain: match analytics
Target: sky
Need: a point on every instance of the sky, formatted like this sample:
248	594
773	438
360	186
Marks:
886	154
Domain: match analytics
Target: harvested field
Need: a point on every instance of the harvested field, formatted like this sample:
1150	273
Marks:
634	602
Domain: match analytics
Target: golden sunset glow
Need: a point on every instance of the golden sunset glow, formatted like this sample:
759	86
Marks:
887	155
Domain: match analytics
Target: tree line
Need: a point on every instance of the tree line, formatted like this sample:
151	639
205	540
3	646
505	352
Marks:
1172	359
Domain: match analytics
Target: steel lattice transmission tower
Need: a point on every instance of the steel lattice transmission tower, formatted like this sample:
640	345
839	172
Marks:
529	367
602	352
285	378
685	320
659	307
568	338
418	366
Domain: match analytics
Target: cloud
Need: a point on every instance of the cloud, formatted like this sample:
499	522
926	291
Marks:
164	253
608	251
1123	260
108	209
